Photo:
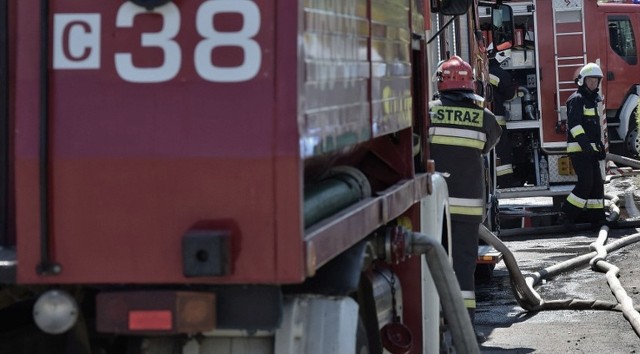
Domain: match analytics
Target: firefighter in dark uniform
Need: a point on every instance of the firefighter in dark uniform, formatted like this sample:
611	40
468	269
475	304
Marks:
503	90
585	149
460	133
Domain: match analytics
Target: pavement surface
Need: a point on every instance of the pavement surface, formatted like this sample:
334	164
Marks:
511	329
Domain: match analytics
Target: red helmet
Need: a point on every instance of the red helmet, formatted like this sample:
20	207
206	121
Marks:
455	74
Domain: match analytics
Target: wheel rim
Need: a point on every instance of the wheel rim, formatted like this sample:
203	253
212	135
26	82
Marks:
633	143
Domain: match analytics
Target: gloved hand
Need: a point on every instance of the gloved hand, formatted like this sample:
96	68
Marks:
602	153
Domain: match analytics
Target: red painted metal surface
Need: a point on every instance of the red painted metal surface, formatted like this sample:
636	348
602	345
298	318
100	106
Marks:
622	75
136	164
597	49
548	114
193	115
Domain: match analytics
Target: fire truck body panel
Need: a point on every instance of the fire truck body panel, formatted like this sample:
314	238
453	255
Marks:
618	48
568	47
165	168
251	158
128	183
577	36
160	161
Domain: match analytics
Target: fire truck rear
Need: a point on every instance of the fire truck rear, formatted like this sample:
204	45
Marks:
549	42
228	176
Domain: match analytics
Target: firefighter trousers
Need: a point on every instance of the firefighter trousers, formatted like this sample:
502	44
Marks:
465	236
587	197
504	169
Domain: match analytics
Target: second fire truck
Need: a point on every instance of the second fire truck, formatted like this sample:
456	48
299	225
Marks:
549	42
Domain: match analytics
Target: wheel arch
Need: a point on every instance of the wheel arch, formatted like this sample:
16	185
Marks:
625	114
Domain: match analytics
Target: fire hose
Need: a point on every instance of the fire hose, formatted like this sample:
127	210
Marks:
531	301
623	160
453	308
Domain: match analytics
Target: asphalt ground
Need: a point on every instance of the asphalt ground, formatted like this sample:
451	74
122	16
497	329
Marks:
511	329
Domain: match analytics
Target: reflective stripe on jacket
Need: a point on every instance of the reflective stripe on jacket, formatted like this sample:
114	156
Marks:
583	121
460	133
457	137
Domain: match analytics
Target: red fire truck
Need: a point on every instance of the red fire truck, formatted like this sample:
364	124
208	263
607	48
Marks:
550	41
228	176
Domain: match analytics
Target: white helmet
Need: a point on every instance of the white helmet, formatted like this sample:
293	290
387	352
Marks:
503	55
589	70
497	54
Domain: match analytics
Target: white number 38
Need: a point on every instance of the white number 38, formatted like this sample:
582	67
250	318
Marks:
164	39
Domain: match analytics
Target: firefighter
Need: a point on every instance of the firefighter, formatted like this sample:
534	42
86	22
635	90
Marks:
585	149
460	133
503	90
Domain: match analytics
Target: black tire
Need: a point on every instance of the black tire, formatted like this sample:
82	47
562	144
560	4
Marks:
632	140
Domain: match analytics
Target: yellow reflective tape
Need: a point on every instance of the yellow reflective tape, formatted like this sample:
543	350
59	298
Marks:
576	201
595	204
589	111
466	201
471	117
469	303
577	130
458	132
494	80
501	120
504	170
465	210
575	147
464	142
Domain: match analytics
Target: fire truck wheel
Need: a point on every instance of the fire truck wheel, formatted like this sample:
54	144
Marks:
632	140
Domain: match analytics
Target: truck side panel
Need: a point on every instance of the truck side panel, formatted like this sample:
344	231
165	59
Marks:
150	136
568	49
617	48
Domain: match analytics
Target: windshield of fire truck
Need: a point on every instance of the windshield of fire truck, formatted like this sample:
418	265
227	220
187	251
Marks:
621	38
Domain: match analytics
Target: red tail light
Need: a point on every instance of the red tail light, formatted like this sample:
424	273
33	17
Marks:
149	312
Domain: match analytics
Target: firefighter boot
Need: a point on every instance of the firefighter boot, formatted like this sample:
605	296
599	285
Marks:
568	216
597	218
480	337
567	222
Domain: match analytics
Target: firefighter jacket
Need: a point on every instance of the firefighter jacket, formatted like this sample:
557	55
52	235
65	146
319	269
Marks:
459	133
583	122
503	90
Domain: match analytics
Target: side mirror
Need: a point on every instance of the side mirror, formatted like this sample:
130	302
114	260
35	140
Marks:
450	7
502	27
